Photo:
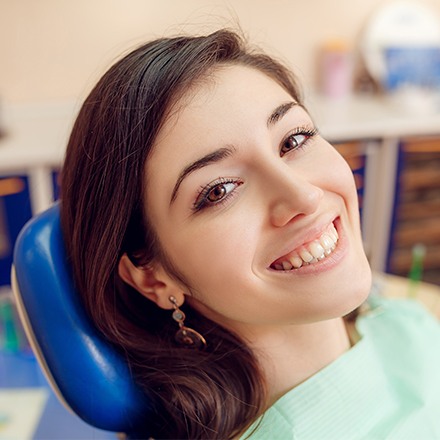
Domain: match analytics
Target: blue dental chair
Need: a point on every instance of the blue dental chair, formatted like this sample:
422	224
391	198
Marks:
87	374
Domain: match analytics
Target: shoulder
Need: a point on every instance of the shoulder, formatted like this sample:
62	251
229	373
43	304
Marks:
407	317
405	336
392	286
380	308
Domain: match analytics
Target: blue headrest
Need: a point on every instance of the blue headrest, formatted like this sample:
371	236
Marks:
92	377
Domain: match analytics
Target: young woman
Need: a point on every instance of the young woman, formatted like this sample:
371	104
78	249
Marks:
214	237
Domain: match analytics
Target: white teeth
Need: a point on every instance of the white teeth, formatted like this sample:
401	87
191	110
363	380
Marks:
296	261
312	252
287	265
306	255
316	250
333	233
326	241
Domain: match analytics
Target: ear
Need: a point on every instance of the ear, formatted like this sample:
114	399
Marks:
153	282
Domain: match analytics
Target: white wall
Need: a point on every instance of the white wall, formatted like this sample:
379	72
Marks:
57	49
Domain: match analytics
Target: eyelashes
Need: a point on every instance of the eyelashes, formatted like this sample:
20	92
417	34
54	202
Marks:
298	139
216	192
222	189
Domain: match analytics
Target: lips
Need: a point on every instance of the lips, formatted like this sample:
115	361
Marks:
309	253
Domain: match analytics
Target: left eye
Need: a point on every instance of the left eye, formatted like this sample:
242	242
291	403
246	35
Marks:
297	140
293	142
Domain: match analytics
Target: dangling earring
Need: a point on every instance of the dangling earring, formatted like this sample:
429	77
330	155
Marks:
186	336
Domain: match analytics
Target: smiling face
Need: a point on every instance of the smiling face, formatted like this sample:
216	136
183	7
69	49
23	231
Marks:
254	208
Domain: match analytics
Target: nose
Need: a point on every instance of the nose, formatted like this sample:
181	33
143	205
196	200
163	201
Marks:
291	196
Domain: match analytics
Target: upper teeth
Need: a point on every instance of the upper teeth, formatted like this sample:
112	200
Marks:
311	252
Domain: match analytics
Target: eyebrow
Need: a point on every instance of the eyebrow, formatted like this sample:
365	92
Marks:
210	158
279	112
223	153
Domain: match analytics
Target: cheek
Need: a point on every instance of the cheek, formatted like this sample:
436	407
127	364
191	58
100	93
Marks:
214	253
339	177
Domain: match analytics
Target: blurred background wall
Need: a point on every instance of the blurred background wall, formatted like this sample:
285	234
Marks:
52	52
57	49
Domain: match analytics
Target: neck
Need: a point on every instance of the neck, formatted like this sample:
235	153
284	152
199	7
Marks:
291	355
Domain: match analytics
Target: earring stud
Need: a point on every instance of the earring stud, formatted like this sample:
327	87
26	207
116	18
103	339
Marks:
185	335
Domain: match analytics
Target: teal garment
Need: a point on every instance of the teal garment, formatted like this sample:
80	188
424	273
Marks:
385	387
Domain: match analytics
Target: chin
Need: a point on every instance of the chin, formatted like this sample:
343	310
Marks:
359	290
351	289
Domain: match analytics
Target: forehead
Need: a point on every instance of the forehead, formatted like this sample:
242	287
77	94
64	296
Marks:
216	111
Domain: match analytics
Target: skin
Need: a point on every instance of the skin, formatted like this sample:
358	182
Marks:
277	193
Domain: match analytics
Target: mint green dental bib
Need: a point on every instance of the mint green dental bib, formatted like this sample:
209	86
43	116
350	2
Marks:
385	387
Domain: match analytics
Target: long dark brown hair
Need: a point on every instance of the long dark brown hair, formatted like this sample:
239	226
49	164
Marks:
214	393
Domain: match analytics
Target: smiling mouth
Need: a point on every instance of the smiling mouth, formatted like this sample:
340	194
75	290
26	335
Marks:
309	253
